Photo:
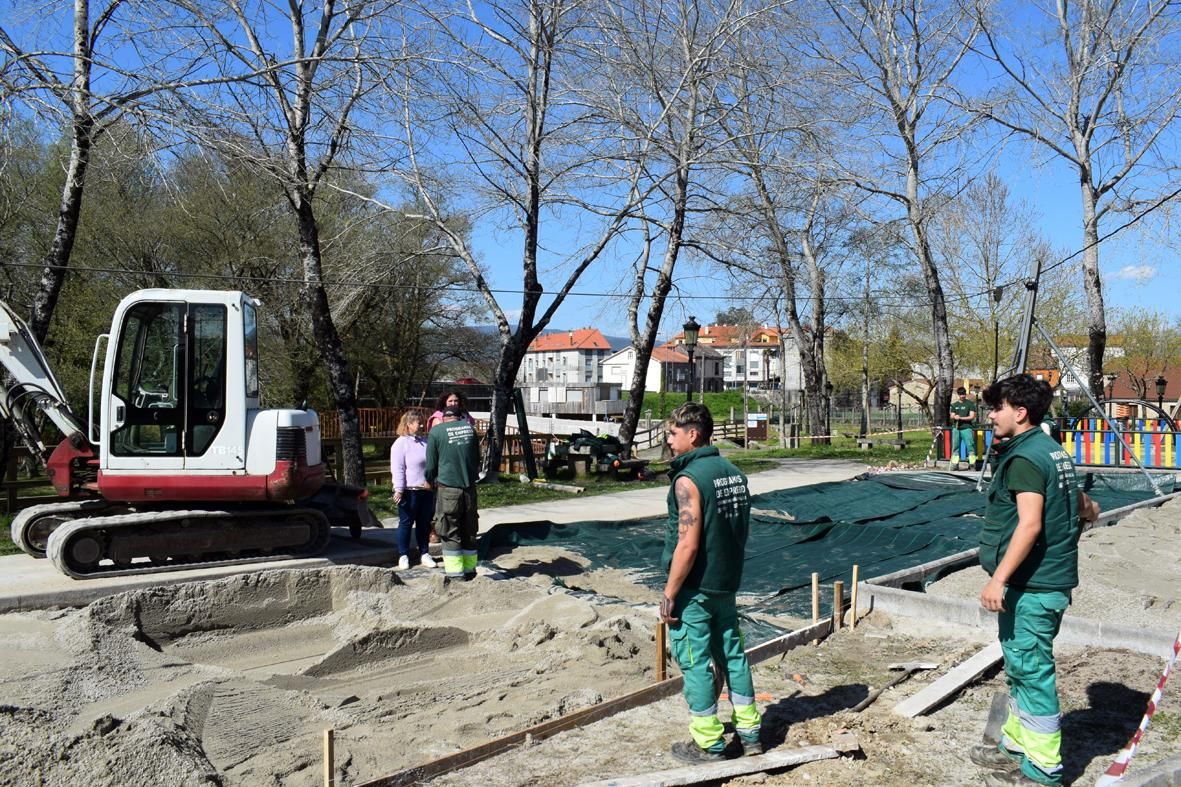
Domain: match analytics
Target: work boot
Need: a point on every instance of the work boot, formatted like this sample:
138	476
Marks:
752	747
690	752
993	758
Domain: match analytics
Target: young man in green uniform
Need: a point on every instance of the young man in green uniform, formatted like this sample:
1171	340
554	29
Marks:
963	437
1029	546
704	545
453	464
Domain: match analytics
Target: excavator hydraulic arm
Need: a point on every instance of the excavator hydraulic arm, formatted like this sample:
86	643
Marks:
28	387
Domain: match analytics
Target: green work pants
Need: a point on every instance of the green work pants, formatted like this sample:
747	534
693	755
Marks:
457	523
1027	628
708	632
963	444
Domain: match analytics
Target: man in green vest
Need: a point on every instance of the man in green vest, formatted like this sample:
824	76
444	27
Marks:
963	436
1029	547
453	465
704	546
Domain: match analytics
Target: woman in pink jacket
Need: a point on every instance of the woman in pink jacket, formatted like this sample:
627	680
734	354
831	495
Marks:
412	492
449	399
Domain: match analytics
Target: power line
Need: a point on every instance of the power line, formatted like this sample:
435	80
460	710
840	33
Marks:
899	302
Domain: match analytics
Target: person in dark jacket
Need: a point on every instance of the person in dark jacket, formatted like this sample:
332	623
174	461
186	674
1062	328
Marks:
1029	547
453	465
704	546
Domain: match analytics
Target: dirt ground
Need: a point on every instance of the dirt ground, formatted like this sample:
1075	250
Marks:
812	689
232	681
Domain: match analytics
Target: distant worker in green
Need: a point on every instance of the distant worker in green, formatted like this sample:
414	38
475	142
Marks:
1029	547
453	464
963	435
704	550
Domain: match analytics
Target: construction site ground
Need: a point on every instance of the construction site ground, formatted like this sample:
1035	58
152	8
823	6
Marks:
232	680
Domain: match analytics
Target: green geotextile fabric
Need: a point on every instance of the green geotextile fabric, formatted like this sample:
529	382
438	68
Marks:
883	523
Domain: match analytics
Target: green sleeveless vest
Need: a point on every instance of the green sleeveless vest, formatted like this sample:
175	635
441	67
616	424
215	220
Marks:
725	507
1052	564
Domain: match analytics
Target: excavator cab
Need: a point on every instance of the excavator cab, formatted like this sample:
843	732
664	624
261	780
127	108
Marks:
167	399
179	415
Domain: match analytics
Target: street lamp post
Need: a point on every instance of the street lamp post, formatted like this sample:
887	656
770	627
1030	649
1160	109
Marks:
1111	378
691	329
899	411
1161	384
828	388
997	292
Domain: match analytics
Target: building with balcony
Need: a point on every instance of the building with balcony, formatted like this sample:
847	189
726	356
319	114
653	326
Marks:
562	375
752	356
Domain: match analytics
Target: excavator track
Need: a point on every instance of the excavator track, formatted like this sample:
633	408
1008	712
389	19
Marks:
32	526
149	542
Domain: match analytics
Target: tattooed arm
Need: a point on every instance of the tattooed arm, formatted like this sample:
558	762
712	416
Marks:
688	541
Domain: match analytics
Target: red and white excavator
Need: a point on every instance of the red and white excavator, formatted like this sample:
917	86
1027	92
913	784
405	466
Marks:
176	465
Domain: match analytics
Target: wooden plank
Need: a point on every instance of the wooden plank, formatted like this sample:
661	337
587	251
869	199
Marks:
950	683
329	759
724	769
661	651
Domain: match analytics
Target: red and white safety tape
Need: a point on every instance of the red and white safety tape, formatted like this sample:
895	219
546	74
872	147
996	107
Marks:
1115	771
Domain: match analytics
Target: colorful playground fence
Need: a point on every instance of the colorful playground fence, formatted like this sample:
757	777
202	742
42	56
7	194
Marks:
1089	441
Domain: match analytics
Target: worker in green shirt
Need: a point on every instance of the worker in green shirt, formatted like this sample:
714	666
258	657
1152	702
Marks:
452	465
1029	547
963	435
704	552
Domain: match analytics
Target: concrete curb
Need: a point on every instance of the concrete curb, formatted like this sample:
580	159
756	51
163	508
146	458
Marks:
1074	631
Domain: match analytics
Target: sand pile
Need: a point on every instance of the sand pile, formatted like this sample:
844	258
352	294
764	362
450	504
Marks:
233	681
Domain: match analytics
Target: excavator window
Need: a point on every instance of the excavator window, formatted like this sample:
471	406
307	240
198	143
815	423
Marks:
207	376
170	383
148	381
250	348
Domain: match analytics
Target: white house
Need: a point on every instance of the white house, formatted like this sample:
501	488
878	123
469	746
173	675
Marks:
755	359
668	369
561	375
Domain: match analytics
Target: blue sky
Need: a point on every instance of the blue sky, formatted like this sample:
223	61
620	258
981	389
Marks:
1139	271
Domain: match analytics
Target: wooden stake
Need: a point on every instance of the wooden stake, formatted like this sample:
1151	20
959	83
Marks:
853	600
661	651
838	604
329	760
815	598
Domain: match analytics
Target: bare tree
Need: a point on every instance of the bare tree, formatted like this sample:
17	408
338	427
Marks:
898	58
1152	344
987	241
1087	84
293	122
500	115
116	44
662	88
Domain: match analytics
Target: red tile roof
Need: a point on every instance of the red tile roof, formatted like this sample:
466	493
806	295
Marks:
581	339
731	335
670	352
